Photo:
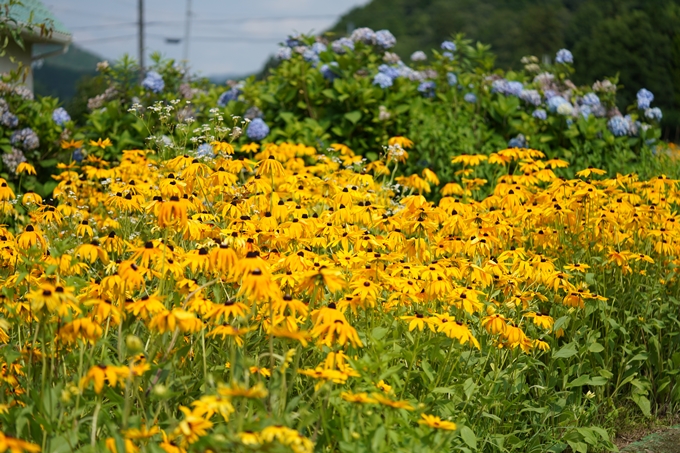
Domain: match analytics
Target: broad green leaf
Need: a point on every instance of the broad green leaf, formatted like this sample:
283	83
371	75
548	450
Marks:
643	403
354	116
596	347
468	437
566	351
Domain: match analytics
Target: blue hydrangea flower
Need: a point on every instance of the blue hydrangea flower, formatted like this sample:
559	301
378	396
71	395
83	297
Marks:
654	114
427	88
389	71
518	142
448	55
540	114
363	34
470	97
499	86
229	95
26	139
153	81
449	46
564	56
341	45
310	56
284	53
60	116
585	111
514	88
292	42
549	94
418	55
205	151
618	126
452	78
327	70
9	120
257	129
385	39
590	99
78	155
555	101
644	98
319	47
532	97
506	87
383	80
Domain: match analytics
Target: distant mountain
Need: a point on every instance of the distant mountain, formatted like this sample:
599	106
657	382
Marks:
58	75
638	39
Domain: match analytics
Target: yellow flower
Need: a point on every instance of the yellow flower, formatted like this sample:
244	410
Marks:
103	144
193	426
401	141
436	422
71	144
250	148
25	167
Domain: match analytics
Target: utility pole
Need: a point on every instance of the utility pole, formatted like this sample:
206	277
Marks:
140	38
187	30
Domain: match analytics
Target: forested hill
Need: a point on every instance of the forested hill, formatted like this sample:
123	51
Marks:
639	39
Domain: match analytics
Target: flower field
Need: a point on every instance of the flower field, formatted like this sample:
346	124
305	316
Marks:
280	298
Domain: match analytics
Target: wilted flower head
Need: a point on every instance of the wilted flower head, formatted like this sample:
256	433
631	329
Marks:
284	53
382	80
564	56
60	116
654	114
391	58
252	113
604	86
153	81
532	97
13	159
644	98
341	45
470	97
102	66
449	46
9	120
540	114
257	129
363	34
383	113
418	55
25	139
452	78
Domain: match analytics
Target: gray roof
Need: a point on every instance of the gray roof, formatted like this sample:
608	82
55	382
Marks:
22	13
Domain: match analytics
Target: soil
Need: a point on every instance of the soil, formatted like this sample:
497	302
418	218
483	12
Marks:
657	439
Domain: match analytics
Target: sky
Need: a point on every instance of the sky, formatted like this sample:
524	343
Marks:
227	36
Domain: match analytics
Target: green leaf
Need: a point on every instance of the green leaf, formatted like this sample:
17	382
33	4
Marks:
469	387
596	347
48	163
598	380
354	116
567	351
579	381
378	439
379	333
643	403
468	437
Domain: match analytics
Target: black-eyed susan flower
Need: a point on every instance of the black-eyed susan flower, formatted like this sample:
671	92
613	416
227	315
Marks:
436	422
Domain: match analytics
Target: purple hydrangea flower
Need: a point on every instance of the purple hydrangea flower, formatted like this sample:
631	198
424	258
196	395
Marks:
644	98
9	120
229	95
564	56
26	139
383	80
449	46
540	114
257	129
60	116
341	45
153	81
385	39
